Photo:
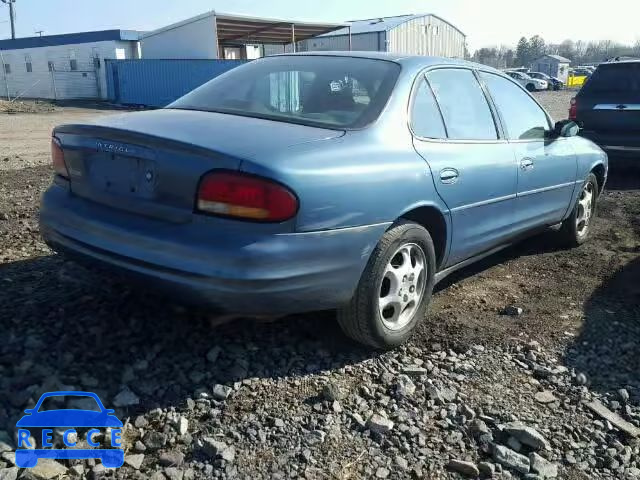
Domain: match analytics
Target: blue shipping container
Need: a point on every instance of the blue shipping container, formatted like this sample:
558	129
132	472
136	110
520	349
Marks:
156	83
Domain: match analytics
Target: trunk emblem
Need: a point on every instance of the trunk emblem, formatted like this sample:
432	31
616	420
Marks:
112	147
621	107
148	175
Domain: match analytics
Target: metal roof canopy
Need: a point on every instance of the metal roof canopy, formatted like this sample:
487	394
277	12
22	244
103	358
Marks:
242	29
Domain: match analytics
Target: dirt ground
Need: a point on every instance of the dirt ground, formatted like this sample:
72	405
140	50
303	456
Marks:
63	325
24	137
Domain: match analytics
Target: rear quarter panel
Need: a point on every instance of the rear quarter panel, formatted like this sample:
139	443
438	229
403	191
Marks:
366	177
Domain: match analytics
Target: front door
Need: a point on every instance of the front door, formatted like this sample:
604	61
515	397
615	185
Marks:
473	170
547	168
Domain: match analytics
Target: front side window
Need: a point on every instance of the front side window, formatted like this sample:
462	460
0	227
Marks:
425	116
339	92
463	104
523	117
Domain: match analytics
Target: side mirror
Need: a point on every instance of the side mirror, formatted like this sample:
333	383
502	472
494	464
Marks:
29	410
566	128
109	411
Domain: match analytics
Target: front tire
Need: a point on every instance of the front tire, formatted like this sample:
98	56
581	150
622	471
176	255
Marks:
395	289
531	87
576	228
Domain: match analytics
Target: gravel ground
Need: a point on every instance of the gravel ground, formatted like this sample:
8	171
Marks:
551	391
556	103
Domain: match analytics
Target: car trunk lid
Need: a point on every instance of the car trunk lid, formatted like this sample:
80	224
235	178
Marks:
150	163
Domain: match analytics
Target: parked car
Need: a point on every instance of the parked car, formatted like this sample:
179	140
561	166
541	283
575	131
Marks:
341	180
531	84
581	72
553	83
607	108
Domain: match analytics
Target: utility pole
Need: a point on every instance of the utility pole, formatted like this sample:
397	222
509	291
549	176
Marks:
12	17
39	32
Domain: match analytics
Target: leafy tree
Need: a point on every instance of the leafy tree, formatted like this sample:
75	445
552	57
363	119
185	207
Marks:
578	51
522	52
537	48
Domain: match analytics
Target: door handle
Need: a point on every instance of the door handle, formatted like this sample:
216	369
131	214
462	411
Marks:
449	175
526	164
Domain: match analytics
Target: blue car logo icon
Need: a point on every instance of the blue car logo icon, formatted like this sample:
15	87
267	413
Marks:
68	419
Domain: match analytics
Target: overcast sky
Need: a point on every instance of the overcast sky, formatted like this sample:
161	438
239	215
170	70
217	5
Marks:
486	22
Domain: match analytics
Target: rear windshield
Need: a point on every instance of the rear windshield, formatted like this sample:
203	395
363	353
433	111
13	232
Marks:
615	78
334	92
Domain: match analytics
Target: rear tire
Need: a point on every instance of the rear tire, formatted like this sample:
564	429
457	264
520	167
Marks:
395	289
531	87
576	228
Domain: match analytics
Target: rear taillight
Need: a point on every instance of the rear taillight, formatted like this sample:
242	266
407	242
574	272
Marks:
57	158
573	109
245	196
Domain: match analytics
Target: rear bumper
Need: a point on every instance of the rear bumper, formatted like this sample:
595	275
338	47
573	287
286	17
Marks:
239	271
615	144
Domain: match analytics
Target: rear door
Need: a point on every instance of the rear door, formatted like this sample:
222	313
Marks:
474	170
547	168
610	100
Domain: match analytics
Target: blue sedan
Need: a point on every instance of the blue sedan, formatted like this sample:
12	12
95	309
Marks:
348	181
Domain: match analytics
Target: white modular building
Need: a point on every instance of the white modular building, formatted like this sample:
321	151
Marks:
60	67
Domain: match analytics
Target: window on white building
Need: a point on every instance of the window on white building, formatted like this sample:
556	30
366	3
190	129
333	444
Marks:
7	68
52	66
432	30
96	58
28	64
73	63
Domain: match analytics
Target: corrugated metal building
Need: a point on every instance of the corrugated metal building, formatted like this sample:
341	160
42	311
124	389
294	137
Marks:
424	34
64	66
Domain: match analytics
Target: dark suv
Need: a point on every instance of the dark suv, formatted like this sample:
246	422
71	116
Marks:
608	108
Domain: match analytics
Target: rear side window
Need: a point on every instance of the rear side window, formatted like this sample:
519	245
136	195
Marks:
464	107
614	78
523	118
425	117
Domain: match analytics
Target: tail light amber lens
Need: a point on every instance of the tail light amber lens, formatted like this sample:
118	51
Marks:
57	158
239	195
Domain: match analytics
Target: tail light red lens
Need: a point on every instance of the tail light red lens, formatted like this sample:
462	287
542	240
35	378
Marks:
57	158
245	196
573	109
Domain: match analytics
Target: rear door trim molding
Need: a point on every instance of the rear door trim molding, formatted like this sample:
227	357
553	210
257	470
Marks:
546	189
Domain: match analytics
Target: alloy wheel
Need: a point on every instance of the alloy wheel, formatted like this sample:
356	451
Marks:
585	209
402	286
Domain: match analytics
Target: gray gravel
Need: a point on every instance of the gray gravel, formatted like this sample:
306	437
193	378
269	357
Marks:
556	103
474	392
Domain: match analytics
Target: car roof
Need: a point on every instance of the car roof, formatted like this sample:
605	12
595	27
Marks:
414	61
